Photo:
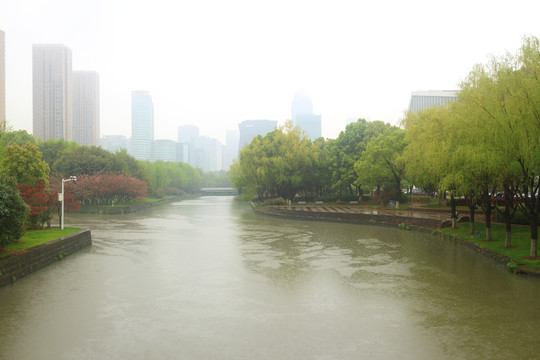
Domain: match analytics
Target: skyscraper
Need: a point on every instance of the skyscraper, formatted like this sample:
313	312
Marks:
52	92
422	100
303	116
142	125
251	128
86	108
2	82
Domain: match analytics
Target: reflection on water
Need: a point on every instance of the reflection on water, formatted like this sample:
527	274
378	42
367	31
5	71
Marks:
208	279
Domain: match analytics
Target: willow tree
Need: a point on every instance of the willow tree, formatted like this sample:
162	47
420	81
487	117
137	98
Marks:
506	94
430	152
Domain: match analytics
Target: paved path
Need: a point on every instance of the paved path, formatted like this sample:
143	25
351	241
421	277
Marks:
350	209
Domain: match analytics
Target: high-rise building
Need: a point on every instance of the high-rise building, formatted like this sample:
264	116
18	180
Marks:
303	116
2	82
230	150
86	108
52	92
164	150
142	125
114	143
190	151
422	100
252	128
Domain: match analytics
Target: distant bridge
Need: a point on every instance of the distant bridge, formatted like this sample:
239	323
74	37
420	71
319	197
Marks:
219	192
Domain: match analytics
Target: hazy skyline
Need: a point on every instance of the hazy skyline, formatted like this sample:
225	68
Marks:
215	64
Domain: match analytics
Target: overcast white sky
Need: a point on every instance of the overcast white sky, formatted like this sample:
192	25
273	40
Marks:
215	63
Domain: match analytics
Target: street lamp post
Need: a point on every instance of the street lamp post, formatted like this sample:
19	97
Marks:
61	196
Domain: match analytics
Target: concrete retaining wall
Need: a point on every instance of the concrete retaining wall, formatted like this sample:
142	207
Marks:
367	219
125	209
18	266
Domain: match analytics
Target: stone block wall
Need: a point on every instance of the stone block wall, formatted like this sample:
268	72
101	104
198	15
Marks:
17	266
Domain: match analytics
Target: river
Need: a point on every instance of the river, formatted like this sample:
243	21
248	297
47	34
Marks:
207	278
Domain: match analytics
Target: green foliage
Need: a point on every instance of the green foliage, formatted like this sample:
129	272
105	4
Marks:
381	164
214	179
25	165
279	164
275	201
13	211
87	160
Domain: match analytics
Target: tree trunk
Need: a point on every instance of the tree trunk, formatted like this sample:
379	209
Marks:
454	213
534	236
472	208
487	212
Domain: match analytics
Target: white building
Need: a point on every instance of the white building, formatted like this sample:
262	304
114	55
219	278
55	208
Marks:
86	108
164	150
52	92
142	125
114	143
422	100
303	116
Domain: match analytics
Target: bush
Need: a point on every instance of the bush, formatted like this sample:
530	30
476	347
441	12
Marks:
108	189
275	201
13	211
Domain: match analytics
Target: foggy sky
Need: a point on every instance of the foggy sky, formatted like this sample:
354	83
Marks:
216	63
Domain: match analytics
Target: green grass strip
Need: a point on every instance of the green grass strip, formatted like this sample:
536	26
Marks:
520	239
33	238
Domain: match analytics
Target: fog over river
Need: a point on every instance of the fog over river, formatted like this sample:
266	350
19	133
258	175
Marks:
207	278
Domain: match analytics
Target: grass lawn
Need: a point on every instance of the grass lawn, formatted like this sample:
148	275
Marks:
33	238
521	240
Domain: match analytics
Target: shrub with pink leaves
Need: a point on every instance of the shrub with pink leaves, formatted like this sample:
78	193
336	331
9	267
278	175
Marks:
108	189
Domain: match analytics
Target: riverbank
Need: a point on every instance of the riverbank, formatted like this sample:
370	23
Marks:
128	209
412	219
31	260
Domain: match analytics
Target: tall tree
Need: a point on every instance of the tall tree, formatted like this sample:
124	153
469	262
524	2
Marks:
25	165
381	163
506	94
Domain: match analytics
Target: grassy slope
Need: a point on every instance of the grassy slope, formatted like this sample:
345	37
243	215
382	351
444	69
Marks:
521	240
36	237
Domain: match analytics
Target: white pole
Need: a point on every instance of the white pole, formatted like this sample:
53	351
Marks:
71	178
62	221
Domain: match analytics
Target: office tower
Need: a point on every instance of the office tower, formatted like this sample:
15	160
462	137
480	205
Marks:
52	92
142	125
422	100
114	143
2	82
303	116
164	150
230	150
187	132
190	149
251	128
86	108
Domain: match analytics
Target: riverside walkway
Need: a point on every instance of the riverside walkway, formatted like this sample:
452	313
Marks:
357	213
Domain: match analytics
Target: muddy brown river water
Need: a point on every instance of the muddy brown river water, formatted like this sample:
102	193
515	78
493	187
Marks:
208	279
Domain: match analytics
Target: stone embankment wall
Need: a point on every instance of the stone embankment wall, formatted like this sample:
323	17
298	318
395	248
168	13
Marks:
359	218
18	266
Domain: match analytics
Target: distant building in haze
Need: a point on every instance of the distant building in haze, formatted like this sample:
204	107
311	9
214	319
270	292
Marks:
189	149
164	150
422	100
303	116
2	82
86	108
251	128
142	125
230	150
52	92
114	143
